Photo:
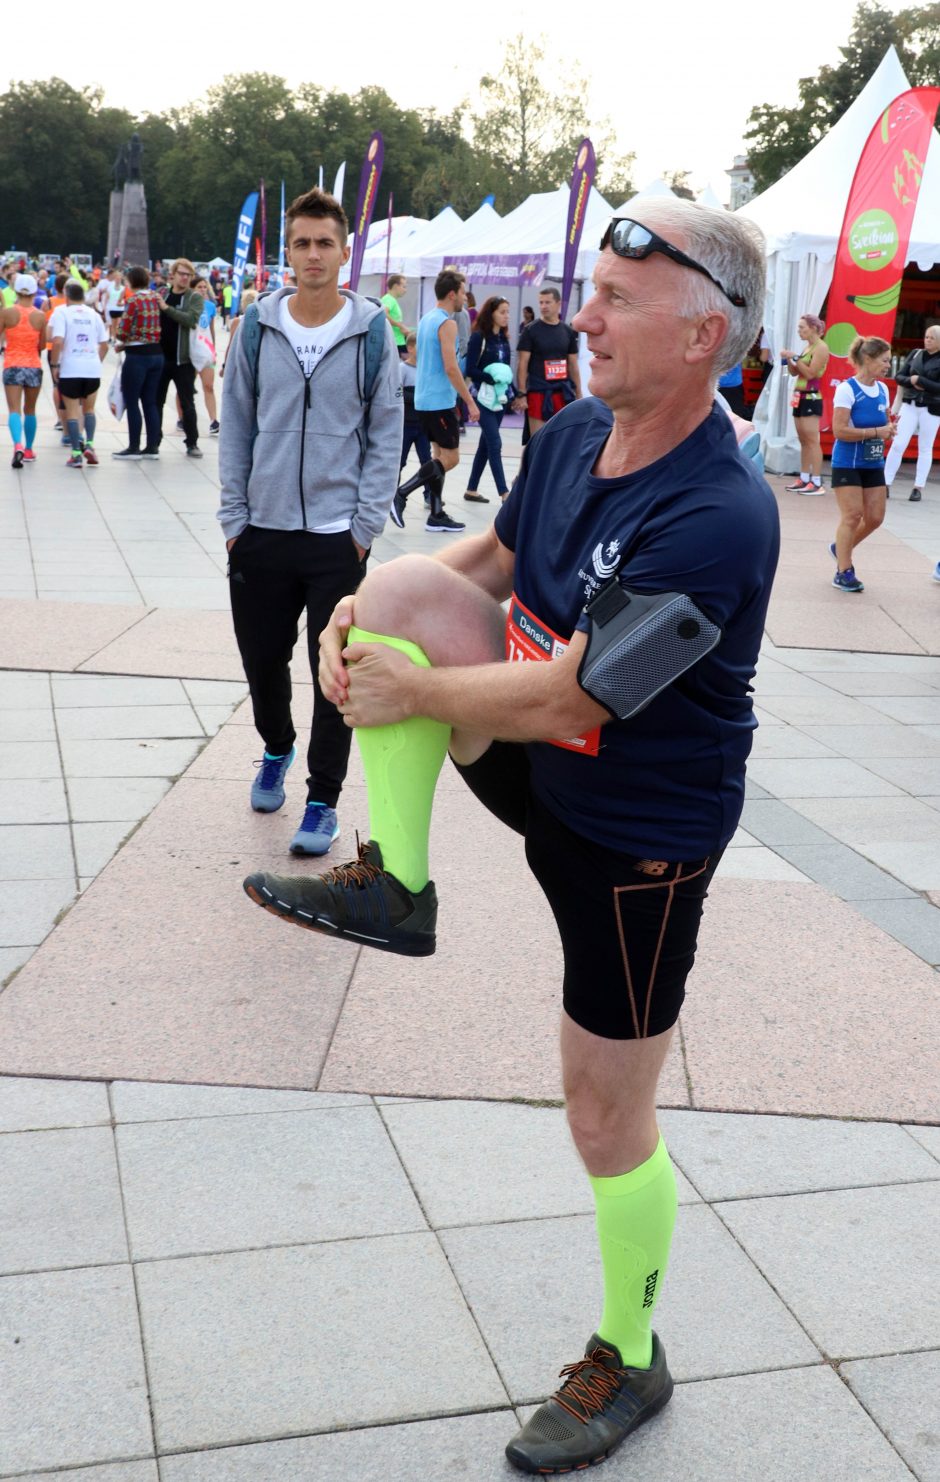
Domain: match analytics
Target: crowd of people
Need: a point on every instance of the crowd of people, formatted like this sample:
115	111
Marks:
163	328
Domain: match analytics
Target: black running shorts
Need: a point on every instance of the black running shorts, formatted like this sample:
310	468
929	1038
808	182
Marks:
859	478
441	427
76	388
628	925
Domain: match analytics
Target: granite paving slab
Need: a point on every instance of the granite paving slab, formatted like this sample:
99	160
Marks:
900	1394
460	1446
71	1371
915	923
229	1361
787	997
821	777
40	851
59	635
140	1101
172	643
11	959
60	1201
27	725
845	872
476	1162
36	800
29	1104
862	1239
864	821
190	991
228	1183
536	1290
744	1157
28	908
120	1471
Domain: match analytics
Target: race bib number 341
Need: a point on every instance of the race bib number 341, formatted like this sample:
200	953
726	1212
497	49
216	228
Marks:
527	638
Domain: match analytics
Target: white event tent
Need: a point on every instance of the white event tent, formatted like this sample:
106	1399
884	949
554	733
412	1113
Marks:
801	217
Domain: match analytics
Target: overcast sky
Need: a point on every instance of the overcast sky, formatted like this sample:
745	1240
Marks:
677	80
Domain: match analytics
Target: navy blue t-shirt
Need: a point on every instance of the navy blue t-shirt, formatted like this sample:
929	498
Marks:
669	783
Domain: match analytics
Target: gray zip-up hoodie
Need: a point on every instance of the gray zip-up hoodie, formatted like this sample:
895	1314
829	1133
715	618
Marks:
320	454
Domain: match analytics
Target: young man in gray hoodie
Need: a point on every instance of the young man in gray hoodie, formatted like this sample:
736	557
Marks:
309	466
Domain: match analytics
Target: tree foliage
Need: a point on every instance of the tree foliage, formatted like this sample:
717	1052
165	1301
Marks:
58	145
530	131
778	138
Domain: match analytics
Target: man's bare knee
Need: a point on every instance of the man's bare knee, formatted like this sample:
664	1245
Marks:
449	617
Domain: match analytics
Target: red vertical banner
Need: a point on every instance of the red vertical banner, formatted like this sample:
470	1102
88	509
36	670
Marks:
876	230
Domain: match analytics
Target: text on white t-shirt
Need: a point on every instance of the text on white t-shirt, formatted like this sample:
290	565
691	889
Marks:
312	342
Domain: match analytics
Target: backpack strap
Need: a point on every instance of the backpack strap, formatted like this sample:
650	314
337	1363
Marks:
375	346
251	331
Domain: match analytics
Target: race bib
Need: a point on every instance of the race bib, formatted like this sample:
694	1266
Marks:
527	638
556	370
873	450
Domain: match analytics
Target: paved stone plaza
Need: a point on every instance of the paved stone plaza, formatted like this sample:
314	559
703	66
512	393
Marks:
273	1209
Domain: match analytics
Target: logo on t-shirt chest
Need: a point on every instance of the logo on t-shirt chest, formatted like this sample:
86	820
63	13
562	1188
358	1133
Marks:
605	560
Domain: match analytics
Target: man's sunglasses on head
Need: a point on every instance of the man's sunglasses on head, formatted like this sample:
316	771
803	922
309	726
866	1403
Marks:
630	238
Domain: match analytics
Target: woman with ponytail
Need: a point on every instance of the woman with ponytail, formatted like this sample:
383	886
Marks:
862	425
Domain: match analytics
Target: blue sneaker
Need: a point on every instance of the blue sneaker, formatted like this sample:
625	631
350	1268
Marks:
267	790
832	550
318	829
936	573
847	581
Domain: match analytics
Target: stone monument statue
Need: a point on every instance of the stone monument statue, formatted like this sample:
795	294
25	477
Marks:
128	239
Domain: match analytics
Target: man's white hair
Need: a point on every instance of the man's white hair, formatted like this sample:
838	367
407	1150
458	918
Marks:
732	249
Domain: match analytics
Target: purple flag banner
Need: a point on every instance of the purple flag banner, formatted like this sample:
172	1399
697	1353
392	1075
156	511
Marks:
582	178
509	269
365	205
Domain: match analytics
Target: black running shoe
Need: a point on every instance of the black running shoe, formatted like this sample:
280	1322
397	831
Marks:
359	900
442	524
397	512
597	1407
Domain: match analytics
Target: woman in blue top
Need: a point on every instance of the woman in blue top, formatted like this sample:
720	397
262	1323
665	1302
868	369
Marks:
488	347
861	425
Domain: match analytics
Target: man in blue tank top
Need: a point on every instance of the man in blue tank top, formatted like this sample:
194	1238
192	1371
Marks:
632	498
439	384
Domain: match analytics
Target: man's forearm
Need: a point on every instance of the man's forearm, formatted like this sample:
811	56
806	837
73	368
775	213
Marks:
512	702
459	384
479	558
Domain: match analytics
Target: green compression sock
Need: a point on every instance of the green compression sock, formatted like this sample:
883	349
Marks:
402	764
636	1214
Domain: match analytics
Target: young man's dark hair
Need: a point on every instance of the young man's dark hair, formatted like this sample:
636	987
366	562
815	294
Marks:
447	282
60	282
394	280
138	277
316	203
74	292
550	293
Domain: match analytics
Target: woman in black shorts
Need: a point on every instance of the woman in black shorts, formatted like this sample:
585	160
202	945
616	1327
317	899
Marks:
807	368
861	423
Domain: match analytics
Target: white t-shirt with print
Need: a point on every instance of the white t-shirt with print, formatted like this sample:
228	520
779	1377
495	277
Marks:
82	331
310	345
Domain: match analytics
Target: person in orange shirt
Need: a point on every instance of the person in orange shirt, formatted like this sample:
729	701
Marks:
25	328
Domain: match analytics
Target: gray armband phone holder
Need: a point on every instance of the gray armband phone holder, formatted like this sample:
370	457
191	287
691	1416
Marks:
638	643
